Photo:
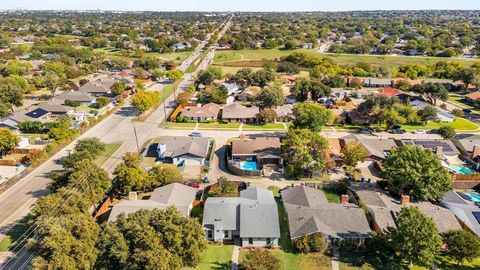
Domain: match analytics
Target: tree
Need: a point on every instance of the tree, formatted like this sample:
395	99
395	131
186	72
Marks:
11	93
34	126
303	151
91	145
145	100
354	152
415	171
118	88
429	113
267	116
260	260
270	97
5	109
67	242
310	89
311	116
113	247
183	98
315	242
165	174
433	91
288	67
8	140
102	102
156	239
466	75
174	74
446	132
416	239
130	176
461	245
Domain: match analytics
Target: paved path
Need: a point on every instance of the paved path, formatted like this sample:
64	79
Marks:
335	259
235	255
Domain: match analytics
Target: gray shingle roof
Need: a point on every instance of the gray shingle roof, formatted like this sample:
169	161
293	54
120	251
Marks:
238	111
75	96
254	213
179	146
464	210
309	211
175	194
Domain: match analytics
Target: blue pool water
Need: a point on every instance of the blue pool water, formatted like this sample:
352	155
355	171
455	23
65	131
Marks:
475	197
462	169
248	165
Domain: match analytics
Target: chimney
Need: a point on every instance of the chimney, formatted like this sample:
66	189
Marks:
243	137
475	151
439	151
405	199
345	198
132	196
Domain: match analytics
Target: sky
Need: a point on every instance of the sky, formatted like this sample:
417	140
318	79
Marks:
238	5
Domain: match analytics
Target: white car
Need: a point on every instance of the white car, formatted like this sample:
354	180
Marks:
195	134
419	131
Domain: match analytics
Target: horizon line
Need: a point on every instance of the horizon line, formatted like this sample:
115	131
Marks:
233	11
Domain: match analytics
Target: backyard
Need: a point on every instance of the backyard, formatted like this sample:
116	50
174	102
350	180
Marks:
216	257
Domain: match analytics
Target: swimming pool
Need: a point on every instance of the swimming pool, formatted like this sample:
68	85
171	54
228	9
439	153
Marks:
248	165
475	197
460	169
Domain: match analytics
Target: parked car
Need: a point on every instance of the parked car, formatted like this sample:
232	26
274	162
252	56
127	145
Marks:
419	131
397	131
366	130
433	131
467	111
195	134
192	184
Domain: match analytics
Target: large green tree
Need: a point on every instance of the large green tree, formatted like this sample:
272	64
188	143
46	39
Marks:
416	171
354	152
130	175
461	245
304	152
311	116
8	139
416	239
270	97
165	174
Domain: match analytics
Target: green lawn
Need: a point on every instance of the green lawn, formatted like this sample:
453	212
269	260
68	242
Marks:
110	149
461	102
275	190
341	59
34	135
175	125
475	264
16	235
460	124
264	127
177	57
332	195
216	257
219	125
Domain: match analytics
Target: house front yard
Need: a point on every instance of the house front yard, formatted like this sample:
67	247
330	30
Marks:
460	124
217	125
276	126
216	257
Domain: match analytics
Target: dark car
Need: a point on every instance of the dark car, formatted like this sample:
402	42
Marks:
366	130
433	131
397	131
467	111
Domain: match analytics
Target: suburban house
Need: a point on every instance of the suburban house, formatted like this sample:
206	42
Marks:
465	208
443	148
178	195
472	97
309	212
389	92
379	149
249	93
183	150
98	87
83	98
206	112
10	124
384	209
284	113
180	46
256	153
252	217
56	108
469	147
442	115
376	82
33	113
236	112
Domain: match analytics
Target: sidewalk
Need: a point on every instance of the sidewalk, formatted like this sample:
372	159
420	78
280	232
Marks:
335	259
235	255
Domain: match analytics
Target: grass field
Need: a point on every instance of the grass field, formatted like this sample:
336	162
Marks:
460	124
16	234
175	125
219	126
216	257
341	59
277	126
110	149
332	195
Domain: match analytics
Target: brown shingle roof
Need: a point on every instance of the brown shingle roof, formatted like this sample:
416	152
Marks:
238	111
473	96
208	110
260	147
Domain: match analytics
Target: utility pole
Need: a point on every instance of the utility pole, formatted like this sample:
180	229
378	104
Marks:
136	138
164	110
